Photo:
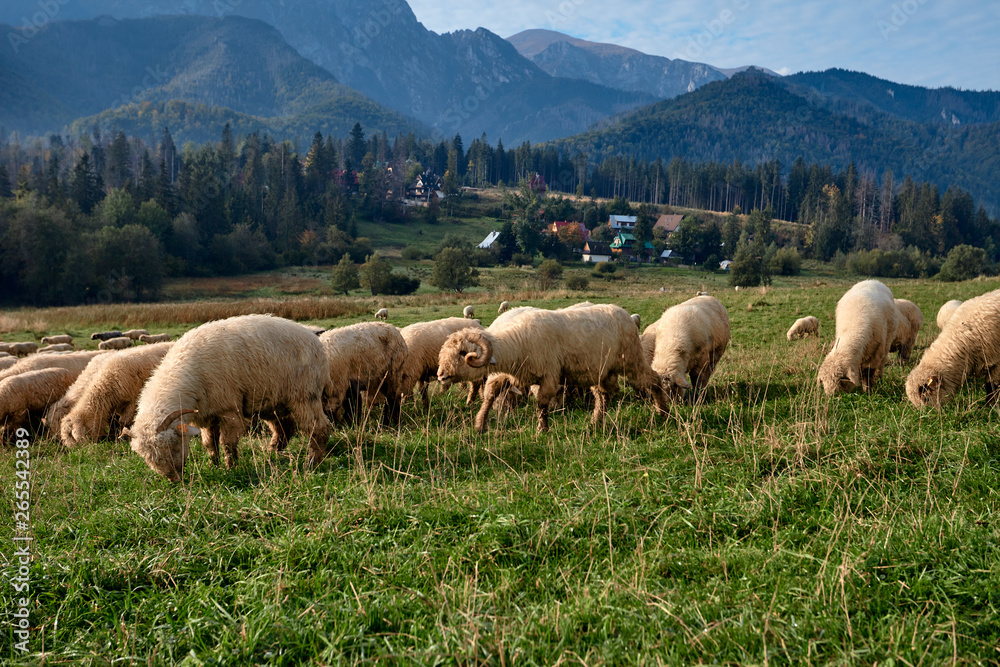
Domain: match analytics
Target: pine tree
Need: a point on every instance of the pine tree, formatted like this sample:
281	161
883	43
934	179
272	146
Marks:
168	156
147	179
84	186
345	276
356	147
5	190
119	168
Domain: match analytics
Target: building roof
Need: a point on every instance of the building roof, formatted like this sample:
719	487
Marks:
489	240
666	254
597	248
622	220
668	223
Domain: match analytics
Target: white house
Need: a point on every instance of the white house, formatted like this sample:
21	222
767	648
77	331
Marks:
595	251
622	223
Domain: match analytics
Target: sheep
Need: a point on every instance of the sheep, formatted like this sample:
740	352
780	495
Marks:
155	338
423	343
4	355
867	319
57	340
7	362
105	335
112	390
504	307
24	397
23	349
468	313
804	326
701	294
691	338
59	347
119	343
365	357
223	373
968	346
74	362
58	411
908	326
647	342
946	311
637	318
501	389
134	334
382	314
587	346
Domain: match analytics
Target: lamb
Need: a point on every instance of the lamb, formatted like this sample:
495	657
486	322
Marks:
24	397
501	390
105	335
587	346
504	307
59	347
691	338
119	343
946	311
134	334
223	373
468	313
58	411
908	326
74	362
153	339
968	346
867	319
365	357
423	343
23	349
382	314
111	391
57	340
804	326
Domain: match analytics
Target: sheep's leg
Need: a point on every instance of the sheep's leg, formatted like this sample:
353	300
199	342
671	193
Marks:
475	388
602	392
547	390
311	419
422	387
483	416
282	428
868	378
392	409
210	441
231	429
993	384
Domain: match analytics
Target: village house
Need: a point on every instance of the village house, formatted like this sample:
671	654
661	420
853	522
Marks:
596	251
668	223
626	245
622	223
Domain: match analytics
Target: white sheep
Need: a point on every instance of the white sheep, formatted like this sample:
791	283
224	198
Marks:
691	338
222	373
946	311
468	313
501	390
25	397
382	314
7	362
155	338
367	357
74	362
969	346
804	326
58	411
111	391
105	335
867	319
504	307
423	343
588	346
23	349
58	347
57	340
119	343
134	334
907	327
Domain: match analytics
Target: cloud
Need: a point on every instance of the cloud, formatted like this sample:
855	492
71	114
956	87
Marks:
923	42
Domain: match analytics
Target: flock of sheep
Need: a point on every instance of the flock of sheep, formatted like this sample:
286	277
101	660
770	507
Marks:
219	378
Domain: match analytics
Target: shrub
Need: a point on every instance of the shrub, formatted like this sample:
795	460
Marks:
577	282
412	253
522	259
604	269
549	271
402	285
964	262
786	262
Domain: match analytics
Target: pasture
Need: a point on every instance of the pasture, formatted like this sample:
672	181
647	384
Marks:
765	525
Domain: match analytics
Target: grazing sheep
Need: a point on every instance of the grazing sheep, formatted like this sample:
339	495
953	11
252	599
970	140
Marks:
60	347
105	335
637	318
504	307
23	349
969	346
691	338
119	343
701	294
382	314
155	338
25	397
946	311
7	362
367	357
74	362
4	355
58	411
134	334
500	390
468	313
867	319
804	326
908	326
222	373
584	346
648	342
423	343
111	391
57	340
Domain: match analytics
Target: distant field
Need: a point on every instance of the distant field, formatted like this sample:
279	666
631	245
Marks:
767	525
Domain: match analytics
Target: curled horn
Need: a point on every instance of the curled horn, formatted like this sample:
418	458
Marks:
485	350
171	418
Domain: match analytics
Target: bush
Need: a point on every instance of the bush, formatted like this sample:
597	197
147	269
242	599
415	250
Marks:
577	282
909	263
400	285
786	262
549	271
413	253
964	262
604	269
522	259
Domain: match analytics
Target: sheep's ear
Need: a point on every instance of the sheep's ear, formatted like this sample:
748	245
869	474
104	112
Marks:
470	357
932	383
516	390
854	375
493	361
681	381
126	433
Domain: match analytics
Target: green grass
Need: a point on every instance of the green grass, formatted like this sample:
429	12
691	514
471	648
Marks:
766	525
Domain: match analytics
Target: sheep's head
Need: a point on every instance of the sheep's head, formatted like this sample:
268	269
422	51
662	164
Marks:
838	377
926	387
465	355
167	449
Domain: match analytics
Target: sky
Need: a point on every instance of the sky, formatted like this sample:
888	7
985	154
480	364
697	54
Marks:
931	43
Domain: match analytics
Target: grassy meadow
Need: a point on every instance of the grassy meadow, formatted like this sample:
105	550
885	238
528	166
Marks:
765	525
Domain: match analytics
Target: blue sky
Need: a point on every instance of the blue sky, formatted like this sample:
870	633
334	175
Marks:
930	43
